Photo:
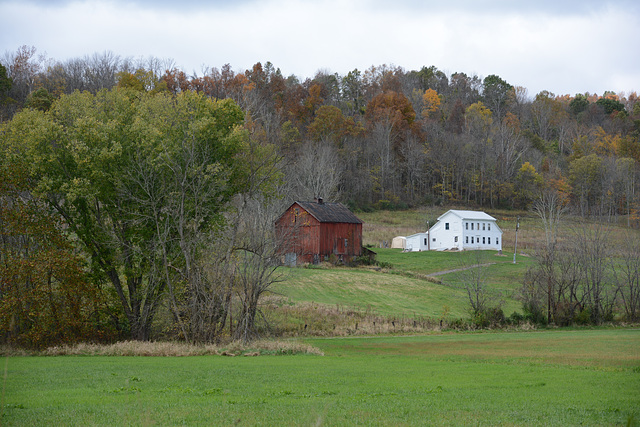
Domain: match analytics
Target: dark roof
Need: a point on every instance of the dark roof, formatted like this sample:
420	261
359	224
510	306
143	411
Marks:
330	212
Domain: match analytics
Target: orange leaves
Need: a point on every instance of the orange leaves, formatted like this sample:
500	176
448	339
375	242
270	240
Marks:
392	106
431	103
511	121
331	124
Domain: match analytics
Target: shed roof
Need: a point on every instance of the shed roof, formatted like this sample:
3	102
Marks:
469	215
329	212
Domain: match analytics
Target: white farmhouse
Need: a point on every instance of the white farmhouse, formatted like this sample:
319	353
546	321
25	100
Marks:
459	230
465	230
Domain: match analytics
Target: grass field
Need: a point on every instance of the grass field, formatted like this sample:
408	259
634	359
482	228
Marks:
558	377
407	290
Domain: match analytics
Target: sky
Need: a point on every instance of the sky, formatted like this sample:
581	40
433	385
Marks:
562	46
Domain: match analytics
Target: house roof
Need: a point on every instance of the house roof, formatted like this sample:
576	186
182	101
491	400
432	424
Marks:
469	215
329	212
420	234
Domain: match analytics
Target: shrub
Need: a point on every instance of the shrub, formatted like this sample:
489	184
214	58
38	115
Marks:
489	317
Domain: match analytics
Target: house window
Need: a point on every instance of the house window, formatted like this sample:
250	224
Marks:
483	241
478	226
466	240
467	225
346	243
433	240
483	225
455	239
497	241
472	226
472	240
489	226
446	225
425	241
489	240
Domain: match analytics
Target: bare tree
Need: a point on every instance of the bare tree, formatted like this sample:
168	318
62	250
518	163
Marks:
257	260
543	282
592	253
414	154
317	172
627	277
472	275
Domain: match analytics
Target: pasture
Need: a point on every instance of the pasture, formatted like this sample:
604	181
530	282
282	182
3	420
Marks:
554	377
412	290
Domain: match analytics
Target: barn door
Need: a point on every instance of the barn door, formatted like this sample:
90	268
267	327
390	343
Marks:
291	259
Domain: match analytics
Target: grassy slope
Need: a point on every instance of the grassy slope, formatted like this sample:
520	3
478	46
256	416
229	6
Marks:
382	293
403	291
587	377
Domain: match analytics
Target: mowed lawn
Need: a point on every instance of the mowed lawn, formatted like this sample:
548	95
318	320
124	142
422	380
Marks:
557	377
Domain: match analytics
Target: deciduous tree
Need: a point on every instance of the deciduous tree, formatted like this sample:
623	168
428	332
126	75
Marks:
137	178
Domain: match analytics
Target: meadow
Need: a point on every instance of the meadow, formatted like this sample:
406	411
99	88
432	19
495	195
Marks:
553	377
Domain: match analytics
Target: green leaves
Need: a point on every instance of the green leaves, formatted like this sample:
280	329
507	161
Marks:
132	173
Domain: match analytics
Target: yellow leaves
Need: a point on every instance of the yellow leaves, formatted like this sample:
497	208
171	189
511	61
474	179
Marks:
601	143
606	144
431	103
478	118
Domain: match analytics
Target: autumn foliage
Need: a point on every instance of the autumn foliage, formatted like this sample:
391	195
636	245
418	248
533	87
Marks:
46	297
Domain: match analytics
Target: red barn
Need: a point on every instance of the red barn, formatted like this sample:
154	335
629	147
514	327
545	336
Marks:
312	231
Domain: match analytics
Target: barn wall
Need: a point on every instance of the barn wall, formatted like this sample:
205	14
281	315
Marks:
300	233
313	241
332	239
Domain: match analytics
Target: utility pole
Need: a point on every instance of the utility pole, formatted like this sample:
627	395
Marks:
515	249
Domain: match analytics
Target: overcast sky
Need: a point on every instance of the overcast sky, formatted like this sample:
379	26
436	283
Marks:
565	47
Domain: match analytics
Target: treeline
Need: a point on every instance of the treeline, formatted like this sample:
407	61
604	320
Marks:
388	137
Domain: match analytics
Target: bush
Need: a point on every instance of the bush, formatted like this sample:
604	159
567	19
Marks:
583	317
534	314
489	317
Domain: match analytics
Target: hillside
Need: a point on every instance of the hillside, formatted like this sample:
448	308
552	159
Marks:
415	285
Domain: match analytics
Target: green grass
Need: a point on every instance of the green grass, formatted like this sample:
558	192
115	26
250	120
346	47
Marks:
404	290
382	293
579	377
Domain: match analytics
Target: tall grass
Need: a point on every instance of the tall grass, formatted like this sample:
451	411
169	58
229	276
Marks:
175	349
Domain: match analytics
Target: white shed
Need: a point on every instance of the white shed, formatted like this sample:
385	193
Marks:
464	230
399	242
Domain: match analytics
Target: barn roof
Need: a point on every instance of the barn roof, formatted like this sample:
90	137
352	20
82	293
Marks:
330	212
